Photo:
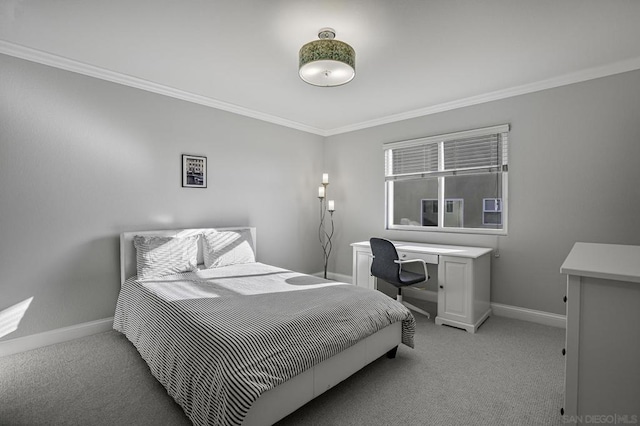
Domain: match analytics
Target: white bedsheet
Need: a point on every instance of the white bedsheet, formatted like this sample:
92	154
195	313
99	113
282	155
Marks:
243	279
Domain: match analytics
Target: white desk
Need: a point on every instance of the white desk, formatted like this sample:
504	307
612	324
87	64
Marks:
464	279
602	368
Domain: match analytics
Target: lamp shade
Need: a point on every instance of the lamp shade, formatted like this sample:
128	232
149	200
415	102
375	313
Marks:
327	62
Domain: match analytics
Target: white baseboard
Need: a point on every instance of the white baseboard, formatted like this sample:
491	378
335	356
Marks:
515	312
539	317
531	315
335	277
34	341
59	335
340	277
420	294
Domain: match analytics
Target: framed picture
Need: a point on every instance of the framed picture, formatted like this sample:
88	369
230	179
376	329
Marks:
194	171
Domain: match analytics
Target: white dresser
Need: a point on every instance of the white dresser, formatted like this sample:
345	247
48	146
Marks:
602	366
464	278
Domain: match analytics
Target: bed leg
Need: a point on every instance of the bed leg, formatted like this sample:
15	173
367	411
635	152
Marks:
392	353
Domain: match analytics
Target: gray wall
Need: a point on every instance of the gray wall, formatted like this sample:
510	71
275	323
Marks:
82	160
574	175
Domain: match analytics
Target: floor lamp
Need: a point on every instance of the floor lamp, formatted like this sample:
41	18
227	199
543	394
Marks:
325	206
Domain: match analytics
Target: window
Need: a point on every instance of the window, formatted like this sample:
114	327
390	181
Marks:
492	211
465	172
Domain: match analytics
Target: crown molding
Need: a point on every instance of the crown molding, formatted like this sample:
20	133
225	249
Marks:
67	64
564	80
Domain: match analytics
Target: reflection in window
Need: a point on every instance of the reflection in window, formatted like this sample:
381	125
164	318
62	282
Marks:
429	213
465	172
492	211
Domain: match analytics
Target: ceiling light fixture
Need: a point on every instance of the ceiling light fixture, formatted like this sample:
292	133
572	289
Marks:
327	62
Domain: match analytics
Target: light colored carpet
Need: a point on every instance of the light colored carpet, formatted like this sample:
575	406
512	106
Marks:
509	373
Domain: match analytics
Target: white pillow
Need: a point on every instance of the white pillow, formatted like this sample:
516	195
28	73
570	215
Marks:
160	256
222	248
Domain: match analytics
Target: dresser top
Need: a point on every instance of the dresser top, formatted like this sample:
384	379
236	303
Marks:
608	261
438	249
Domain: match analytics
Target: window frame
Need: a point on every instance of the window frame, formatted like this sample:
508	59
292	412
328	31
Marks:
441	174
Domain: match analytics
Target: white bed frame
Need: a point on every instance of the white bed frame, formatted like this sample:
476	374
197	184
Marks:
294	393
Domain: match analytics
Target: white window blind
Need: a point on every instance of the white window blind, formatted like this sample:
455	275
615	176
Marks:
412	160
474	150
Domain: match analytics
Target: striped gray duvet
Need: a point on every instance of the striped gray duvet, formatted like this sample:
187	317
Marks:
219	338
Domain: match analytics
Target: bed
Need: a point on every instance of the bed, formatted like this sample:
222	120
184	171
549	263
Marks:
235	341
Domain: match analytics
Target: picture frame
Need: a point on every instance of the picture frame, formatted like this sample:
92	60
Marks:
194	171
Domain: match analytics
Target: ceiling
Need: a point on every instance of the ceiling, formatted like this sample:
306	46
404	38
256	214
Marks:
413	57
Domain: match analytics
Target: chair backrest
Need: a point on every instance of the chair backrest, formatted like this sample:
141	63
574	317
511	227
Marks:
384	255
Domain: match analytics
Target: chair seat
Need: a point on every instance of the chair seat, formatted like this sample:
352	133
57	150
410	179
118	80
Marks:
409	278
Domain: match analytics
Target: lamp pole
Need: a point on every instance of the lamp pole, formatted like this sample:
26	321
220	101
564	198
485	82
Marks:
325	206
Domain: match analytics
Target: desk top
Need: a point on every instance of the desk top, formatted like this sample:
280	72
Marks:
438	249
608	261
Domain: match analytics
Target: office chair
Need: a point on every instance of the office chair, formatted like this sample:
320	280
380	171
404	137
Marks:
388	267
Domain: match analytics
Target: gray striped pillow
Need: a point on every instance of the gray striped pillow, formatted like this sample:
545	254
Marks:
160	256
222	248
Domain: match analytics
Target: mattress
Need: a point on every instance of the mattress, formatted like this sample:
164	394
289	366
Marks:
219	338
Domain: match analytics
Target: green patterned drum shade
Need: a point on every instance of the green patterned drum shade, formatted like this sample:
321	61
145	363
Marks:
327	63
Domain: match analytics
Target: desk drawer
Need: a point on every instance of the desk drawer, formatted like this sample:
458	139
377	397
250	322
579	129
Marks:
429	258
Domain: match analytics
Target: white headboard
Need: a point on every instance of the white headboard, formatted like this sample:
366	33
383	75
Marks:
128	267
